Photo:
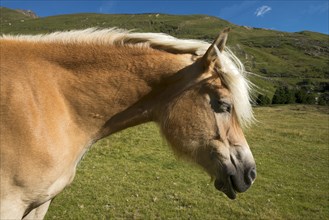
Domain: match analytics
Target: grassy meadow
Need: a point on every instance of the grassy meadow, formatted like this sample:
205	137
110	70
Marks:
134	175
278	56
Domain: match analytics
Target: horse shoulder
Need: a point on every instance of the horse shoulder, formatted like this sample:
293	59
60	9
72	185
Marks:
40	144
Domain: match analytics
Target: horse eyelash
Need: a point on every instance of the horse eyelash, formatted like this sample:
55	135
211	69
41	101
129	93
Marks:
224	106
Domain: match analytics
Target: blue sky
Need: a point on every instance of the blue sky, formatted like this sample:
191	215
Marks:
291	16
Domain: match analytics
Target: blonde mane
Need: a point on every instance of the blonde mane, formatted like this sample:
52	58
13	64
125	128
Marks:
232	69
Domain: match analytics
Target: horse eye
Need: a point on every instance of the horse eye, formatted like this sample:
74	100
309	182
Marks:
224	106
220	106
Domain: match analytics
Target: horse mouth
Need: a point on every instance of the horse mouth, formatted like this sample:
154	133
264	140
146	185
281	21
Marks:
227	186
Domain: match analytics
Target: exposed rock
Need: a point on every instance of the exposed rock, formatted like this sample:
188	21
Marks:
248	27
28	13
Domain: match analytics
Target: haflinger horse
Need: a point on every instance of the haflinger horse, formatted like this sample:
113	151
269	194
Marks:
62	92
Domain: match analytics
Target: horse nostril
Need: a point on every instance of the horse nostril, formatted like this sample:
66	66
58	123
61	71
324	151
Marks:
252	175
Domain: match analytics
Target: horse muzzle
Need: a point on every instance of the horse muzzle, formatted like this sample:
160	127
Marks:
236	176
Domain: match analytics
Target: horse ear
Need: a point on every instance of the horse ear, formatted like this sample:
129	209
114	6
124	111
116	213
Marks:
219	44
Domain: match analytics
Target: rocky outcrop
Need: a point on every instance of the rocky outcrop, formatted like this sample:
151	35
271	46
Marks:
28	13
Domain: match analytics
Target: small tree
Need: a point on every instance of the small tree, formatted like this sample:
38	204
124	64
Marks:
305	97
324	99
279	96
283	95
290	96
300	96
263	100
310	99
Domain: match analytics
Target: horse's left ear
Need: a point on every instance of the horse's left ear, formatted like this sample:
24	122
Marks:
218	44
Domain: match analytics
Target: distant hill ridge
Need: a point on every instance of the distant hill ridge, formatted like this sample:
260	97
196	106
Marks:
28	13
280	58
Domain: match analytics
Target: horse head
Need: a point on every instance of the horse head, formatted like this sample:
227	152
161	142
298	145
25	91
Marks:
203	122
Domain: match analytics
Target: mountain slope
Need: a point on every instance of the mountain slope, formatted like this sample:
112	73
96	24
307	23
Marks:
281	57
8	15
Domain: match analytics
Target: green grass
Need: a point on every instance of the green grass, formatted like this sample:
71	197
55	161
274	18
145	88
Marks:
134	175
8	15
282	55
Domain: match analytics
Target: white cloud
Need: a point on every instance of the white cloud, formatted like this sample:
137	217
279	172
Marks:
262	10
237	9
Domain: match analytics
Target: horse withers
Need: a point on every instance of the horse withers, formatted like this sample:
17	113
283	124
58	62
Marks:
62	92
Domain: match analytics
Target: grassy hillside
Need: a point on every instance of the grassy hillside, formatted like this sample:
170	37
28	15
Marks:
8	16
279	56
134	175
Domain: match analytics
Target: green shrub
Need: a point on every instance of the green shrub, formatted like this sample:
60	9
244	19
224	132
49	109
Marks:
263	100
283	95
324	98
305	97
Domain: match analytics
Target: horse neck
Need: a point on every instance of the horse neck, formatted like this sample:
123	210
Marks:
111	88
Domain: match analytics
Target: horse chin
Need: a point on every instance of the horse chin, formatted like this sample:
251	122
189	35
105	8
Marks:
226	187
